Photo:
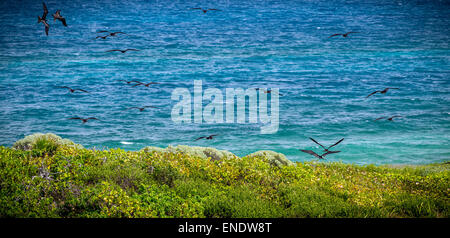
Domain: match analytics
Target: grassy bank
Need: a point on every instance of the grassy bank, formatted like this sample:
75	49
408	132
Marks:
46	176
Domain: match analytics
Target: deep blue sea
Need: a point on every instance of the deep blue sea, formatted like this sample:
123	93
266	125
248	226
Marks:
274	44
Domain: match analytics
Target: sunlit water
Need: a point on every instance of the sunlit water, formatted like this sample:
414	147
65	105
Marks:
274	44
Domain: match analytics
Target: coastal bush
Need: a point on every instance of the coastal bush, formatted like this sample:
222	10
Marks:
41	142
197	151
150	149
274	158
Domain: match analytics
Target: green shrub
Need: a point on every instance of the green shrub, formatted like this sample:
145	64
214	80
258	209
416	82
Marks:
195	151
149	149
41	140
274	158
241	202
44	146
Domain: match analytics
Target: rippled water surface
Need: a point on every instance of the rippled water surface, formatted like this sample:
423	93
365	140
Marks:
274	44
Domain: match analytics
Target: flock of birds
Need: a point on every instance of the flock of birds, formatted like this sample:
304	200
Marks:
57	16
326	150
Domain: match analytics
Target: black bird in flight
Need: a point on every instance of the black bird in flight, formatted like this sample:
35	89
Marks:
84	120
128	82
343	35
206	137
103	37
384	91
123	51
58	16
387	118
43	19
268	91
319	156
140	108
112	33
205	10
144	84
72	90
327	149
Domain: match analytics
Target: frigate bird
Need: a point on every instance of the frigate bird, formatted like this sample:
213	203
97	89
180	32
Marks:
210	137
112	33
58	16
123	51
319	156
84	120
140	108
128	82
103	37
72	90
43	19
326	149
267	91
343	35
205	10
387	118
144	84
384	91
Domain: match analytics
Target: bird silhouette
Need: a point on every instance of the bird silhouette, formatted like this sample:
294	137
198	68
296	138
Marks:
343	35
267	91
140	108
384	91
123	51
43	19
72	90
84	120
58	16
112	33
319	156
144	84
103	37
128	82
205	10
387	118
210	137
326	149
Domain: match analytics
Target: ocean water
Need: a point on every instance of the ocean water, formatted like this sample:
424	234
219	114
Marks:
275	44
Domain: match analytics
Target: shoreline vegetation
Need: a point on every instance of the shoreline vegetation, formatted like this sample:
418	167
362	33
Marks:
44	175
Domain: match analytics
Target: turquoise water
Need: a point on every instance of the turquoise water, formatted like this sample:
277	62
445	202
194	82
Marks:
274	44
